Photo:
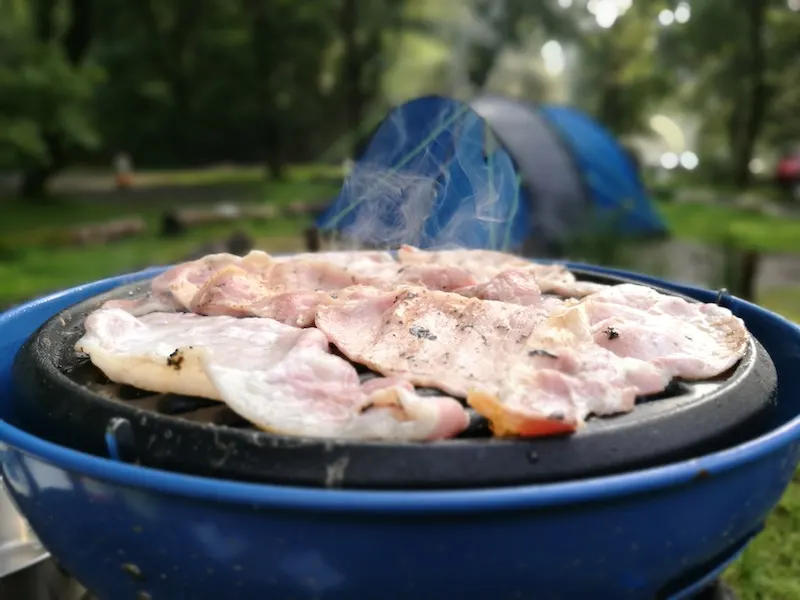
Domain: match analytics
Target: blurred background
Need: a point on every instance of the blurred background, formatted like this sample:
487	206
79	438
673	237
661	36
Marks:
136	133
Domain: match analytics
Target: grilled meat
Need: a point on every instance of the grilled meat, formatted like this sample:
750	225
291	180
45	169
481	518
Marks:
485	265
527	345
527	370
431	338
687	339
280	378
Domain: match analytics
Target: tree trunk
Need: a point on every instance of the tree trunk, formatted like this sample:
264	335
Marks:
262	36
610	111
483	56
756	96
171	47
35	178
352	70
273	148
76	42
34	182
481	63
79	35
43	18
362	65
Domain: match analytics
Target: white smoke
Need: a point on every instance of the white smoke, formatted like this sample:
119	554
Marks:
392	199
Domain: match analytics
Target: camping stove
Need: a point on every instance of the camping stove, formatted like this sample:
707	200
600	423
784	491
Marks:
129	523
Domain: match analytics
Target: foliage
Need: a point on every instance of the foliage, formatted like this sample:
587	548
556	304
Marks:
28	267
783	118
739	69
189	82
43	94
239	79
769	567
620	78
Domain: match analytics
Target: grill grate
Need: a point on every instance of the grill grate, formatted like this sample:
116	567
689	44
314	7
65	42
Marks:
212	412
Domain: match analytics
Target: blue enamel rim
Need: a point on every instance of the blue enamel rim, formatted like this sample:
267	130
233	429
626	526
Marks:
396	502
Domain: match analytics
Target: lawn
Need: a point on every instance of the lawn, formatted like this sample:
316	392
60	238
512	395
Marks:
28	267
770	569
747	229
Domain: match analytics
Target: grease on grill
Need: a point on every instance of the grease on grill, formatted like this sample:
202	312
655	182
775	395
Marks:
172	404
540	352
133	570
175	360
212	412
422	333
674	389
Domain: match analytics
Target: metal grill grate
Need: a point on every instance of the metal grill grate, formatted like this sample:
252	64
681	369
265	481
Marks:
212	412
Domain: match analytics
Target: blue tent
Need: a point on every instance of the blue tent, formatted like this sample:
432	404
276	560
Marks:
606	168
494	174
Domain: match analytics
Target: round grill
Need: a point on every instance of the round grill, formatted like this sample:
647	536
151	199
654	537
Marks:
62	397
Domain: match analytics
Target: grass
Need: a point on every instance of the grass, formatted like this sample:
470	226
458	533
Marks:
196	178
747	229
36	271
784	301
769	569
29	268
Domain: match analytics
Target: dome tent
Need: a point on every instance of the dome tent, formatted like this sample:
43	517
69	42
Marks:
495	173
608	169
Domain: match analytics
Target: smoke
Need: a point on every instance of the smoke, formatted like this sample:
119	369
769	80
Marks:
434	176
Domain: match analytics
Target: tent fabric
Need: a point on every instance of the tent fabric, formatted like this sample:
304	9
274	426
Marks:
494	174
432	176
607	171
554	188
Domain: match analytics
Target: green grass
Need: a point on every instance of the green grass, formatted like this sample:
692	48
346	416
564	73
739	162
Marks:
209	176
31	217
36	271
747	229
769	569
235	175
28	267
784	301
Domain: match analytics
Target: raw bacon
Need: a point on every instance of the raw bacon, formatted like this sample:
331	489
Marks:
527	345
528	371
280	378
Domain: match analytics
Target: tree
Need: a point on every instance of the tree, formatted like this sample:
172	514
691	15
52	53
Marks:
218	80
782	123
365	30
47	86
618	78
289	43
171	30
508	22
739	58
